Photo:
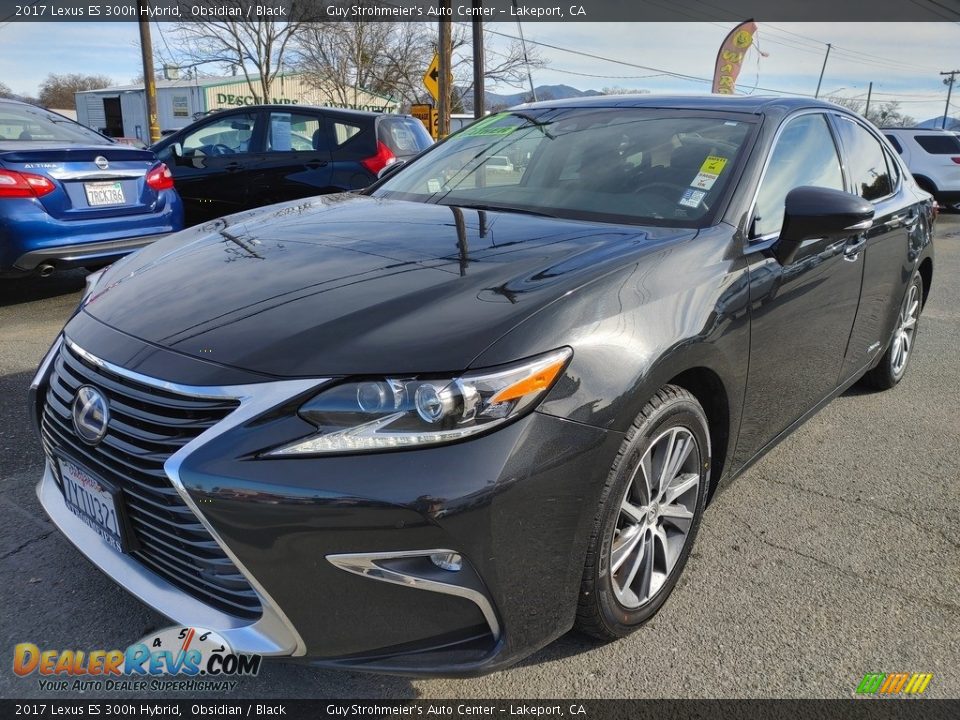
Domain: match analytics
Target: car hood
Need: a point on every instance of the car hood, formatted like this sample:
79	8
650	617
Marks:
348	284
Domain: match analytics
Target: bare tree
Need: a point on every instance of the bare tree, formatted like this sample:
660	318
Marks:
387	58
503	66
59	91
5	91
885	114
617	90
253	49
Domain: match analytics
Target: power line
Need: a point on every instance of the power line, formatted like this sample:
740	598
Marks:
812	44
659	71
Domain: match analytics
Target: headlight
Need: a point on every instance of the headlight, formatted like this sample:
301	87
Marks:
403	412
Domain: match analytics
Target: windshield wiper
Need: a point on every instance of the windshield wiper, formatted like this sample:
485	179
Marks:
499	208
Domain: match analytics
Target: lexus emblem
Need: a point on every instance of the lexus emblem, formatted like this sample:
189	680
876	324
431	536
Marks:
90	414
101	162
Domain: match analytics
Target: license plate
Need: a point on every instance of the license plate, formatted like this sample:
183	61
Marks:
104	193
94	502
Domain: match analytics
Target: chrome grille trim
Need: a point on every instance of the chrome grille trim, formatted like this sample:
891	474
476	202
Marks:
272	633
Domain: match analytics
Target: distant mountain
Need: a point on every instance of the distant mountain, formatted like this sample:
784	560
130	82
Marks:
544	92
952	123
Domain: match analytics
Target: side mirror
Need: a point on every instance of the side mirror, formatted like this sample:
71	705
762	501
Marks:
390	169
821	213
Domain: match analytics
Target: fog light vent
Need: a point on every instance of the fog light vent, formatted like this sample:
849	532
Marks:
447	561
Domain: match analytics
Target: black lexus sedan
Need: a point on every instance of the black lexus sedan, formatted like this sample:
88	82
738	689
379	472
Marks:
431	427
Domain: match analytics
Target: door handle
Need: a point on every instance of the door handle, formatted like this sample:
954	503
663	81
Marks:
314	164
852	251
233	167
895	221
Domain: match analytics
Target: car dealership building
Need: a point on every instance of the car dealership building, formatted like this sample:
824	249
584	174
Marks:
122	111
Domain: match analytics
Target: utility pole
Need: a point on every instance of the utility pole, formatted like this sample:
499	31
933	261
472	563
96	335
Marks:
523	46
949	83
479	102
825	57
443	82
149	80
866	113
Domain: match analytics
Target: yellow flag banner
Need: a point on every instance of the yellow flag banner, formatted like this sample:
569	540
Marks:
731	55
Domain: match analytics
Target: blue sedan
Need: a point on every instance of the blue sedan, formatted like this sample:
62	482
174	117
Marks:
71	197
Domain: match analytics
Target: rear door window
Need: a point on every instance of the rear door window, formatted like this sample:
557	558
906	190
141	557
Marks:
295	132
939	144
867	165
896	143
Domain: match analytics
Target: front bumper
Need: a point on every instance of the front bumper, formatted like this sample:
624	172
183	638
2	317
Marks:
338	548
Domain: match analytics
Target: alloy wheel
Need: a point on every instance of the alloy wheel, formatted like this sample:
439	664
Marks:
906	329
655	517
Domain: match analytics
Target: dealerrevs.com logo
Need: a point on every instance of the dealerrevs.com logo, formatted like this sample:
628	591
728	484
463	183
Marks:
894	683
178	658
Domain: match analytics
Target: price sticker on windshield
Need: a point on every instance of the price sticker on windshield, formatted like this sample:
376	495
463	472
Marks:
713	165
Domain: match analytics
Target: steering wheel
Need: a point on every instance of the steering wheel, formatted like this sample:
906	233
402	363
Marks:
220	149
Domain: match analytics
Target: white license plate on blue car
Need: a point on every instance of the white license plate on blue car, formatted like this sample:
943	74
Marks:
104	193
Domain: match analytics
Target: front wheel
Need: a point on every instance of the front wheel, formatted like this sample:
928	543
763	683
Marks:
650	511
893	365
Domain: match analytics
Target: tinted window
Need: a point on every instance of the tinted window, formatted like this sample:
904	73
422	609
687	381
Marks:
404	136
805	155
896	143
344	132
865	161
608	164
294	132
224	136
25	122
939	144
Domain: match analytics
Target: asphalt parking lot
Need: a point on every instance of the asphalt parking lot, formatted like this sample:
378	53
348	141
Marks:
836	555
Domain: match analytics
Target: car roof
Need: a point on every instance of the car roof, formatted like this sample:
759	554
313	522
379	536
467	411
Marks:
935	131
753	104
293	108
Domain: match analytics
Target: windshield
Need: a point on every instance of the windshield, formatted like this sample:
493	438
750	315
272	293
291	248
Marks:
29	124
657	167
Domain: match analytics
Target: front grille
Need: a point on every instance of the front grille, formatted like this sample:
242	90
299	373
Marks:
147	425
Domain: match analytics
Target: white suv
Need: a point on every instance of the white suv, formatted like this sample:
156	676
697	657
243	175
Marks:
933	157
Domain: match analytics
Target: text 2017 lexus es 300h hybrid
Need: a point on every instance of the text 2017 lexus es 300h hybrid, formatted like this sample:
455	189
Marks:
430	427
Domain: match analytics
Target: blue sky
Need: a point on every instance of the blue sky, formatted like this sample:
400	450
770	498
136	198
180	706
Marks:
902	59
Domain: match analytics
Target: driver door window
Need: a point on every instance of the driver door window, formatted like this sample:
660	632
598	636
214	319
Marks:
805	155
225	136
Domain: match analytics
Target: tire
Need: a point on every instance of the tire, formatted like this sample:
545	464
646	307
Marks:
610	604
893	365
